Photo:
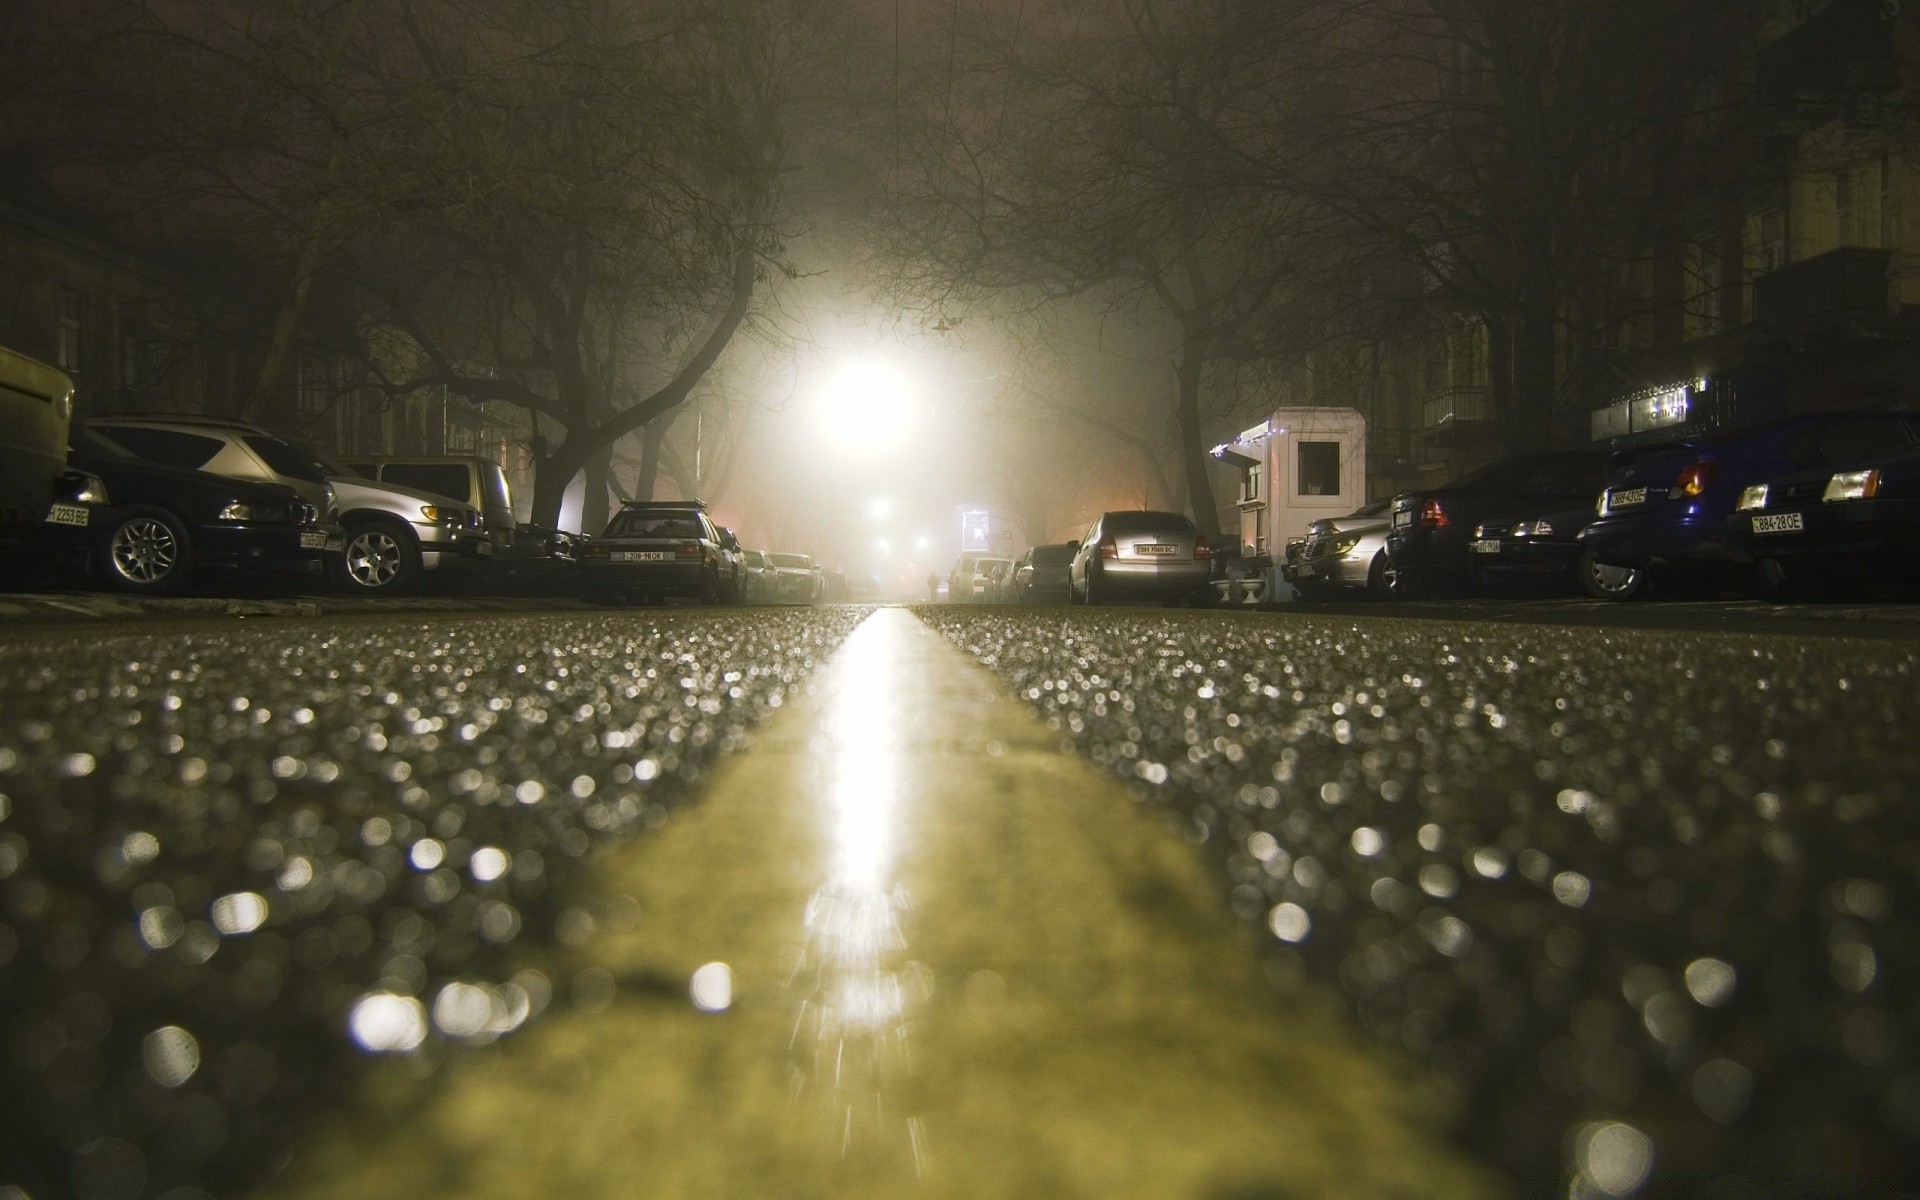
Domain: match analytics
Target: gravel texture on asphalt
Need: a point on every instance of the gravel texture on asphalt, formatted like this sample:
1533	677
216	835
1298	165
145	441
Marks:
1647	899
235	860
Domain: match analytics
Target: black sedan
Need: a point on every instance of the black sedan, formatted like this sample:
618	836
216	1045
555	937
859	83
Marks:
1430	541
1539	548
169	523
1818	528
655	549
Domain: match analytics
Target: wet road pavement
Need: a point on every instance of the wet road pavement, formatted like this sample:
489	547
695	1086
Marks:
1645	897
358	903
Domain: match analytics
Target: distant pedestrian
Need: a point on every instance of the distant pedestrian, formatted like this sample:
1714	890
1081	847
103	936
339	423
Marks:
933	586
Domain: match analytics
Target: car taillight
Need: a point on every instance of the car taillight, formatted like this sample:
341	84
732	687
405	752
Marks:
596	551
1433	515
690	550
1200	547
1695	478
1107	548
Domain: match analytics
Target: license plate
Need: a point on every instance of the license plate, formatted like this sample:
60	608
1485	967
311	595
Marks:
68	514
1485	546
1779	523
639	556
1627	498
486	548
1153	548
1402	517
314	541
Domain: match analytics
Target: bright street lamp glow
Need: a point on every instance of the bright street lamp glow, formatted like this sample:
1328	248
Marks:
922	542
881	508
885	546
865	408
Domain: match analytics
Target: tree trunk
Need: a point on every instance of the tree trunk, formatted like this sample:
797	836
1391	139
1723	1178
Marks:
593	501
1193	448
645	487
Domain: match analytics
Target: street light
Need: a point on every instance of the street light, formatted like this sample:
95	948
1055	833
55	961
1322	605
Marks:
865	408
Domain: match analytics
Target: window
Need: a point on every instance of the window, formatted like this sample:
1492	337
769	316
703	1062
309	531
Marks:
66	353
443	479
284	458
656	524
1864	440
168	446
1318	469
1250	488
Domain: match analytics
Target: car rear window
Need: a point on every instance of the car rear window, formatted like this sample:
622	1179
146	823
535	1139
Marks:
284	458
168	446
792	560
1051	556
656	523
442	479
1146	522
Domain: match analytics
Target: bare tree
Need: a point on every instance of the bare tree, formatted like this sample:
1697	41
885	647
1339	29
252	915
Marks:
1077	152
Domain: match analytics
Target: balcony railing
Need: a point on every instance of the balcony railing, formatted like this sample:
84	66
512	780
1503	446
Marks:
1456	406
1848	281
1387	446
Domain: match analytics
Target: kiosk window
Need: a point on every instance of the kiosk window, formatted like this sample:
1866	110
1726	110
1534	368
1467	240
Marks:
1318	472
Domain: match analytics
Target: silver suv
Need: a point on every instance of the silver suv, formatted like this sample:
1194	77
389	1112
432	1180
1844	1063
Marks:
393	532
474	481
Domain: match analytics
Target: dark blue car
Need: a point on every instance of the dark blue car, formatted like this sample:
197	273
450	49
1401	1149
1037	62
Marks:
1824	528
1666	506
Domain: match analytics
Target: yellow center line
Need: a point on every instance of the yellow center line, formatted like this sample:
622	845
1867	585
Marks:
929	955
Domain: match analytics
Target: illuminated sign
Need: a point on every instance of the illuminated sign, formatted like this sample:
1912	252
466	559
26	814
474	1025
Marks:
973	529
1660	409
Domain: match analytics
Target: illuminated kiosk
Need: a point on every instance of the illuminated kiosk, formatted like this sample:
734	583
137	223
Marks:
1297	466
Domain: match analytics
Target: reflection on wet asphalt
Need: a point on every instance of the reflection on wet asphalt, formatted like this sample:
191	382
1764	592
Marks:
959	963
1645	898
237	859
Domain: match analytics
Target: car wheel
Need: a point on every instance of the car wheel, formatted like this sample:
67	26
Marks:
1096	593
1607	581
1380	578
381	560
148	551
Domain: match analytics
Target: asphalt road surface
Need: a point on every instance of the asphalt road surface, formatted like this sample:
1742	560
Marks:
955	902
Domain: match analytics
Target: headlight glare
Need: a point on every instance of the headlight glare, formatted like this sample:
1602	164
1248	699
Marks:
433	512
1754	496
236	511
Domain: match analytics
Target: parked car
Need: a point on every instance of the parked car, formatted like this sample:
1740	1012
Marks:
1820	529
757	578
653	549
36	405
960	580
1430	532
1342	555
1040	576
834	589
1665	507
796	579
167	525
476	482
1537	546
1141	555
983	586
393	533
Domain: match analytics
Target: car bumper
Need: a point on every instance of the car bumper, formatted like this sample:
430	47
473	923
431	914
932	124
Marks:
269	548
1430	553
1878	536
1331	570
646	576
1672	535
1154	578
1546	556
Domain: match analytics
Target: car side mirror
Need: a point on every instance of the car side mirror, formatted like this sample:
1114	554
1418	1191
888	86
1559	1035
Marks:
1074	546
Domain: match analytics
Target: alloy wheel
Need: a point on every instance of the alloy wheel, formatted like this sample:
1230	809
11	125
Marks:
144	551
373	559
